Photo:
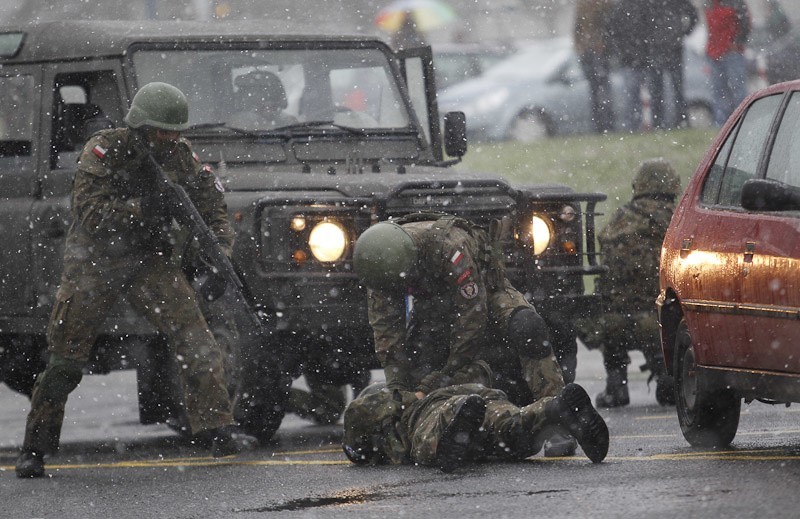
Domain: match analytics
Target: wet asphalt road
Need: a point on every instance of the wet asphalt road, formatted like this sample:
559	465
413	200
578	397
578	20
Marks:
110	466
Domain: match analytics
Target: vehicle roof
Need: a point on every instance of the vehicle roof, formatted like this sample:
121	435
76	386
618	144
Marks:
76	39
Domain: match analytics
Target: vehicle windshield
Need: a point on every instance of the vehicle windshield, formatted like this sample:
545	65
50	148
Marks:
258	90
548	57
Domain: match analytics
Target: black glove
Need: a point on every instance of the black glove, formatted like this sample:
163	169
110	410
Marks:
210	284
156	208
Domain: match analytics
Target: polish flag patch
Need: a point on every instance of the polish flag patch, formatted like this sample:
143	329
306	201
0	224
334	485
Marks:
457	257
196	157
100	151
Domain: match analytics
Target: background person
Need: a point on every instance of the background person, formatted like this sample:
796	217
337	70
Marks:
728	23
590	36
630	245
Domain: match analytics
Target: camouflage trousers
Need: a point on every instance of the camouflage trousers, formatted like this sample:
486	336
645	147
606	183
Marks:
615	334
162	294
396	427
508	431
521	375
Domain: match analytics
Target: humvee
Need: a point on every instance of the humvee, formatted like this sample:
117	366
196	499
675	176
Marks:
358	140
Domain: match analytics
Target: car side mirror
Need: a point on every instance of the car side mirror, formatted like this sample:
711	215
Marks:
455	134
770	195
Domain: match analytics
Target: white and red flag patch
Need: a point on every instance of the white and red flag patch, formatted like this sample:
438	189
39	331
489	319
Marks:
100	151
457	257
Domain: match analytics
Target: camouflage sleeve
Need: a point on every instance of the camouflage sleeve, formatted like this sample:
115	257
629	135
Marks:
387	318
96	204
469	296
206	191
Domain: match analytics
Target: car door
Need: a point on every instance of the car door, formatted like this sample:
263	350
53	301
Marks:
711	258
770	279
19	156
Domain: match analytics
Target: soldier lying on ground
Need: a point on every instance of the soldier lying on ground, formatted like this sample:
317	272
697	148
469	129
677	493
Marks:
438	300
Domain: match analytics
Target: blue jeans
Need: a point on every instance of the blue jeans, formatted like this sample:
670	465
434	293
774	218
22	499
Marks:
728	77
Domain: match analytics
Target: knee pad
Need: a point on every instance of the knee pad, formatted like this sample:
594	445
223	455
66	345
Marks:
529	334
60	377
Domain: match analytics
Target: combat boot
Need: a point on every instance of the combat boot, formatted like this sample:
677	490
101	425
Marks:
228	441
459	435
30	464
572	409
665	389
616	392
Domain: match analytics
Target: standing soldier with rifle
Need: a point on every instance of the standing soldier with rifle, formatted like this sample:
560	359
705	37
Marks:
120	242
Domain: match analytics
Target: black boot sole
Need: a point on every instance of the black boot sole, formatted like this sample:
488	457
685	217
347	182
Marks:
456	439
584	423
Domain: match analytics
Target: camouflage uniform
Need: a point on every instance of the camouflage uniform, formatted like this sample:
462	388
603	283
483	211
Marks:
113	249
397	427
459	307
631	245
458	312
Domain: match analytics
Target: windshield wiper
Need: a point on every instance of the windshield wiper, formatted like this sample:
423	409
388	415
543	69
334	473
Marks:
317	124
211	126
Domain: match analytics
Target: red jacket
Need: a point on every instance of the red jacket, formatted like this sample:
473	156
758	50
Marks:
728	24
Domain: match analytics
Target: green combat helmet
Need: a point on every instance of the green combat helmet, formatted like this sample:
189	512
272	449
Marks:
656	177
159	105
384	256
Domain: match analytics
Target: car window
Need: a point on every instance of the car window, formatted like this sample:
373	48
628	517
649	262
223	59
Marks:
714	177
745	153
16	115
784	162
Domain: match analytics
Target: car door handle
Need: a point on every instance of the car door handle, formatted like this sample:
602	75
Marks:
749	250
686	247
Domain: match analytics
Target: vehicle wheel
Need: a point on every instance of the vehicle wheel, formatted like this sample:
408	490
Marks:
260	404
707	419
700	116
529	127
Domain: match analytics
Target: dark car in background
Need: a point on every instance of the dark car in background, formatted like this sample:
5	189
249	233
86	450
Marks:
541	91
729	301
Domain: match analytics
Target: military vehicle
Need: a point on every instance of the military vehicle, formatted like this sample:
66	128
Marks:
314	139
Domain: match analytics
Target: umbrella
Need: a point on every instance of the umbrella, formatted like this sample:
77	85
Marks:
428	14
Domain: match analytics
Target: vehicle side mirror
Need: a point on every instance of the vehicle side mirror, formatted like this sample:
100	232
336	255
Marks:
770	195
455	134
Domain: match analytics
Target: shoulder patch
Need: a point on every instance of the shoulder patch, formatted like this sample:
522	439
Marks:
100	151
469	291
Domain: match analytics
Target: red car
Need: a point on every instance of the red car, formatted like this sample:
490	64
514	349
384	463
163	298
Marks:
729	303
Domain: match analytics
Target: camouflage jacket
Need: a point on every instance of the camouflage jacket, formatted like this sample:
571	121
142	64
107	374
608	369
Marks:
631	246
424	338
106	194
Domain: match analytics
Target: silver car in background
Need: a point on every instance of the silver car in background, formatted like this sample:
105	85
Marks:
541	91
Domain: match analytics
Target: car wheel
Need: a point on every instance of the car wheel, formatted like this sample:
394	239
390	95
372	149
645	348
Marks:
707	418
700	116
529	127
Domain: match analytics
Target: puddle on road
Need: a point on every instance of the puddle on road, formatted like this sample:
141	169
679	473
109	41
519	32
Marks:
349	497
360	497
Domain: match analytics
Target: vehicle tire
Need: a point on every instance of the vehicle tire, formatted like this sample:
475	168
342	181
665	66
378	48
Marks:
529	126
700	116
707	419
260	404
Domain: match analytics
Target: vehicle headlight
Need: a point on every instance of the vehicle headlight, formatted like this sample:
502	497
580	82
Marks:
541	234
327	241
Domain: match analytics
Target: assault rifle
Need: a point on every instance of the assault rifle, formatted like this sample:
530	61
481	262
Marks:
263	388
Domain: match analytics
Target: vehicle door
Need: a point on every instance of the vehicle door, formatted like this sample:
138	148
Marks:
771	262
78	99
712	241
19	155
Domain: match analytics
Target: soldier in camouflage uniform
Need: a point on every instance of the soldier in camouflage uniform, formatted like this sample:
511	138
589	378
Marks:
631	245
120	242
438	302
